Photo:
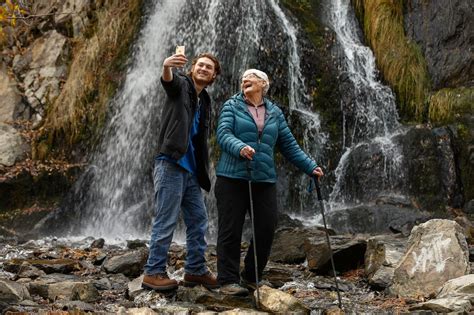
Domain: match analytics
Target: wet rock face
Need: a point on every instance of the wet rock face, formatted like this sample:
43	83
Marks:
383	218
444	32
432	173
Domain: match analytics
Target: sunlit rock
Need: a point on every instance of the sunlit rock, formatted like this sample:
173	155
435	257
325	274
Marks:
279	302
139	311
463	286
458	304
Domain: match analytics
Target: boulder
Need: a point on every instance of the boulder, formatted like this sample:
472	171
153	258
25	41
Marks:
280	302
348	252
381	257
288	244
459	286
12	146
200	295
130	264
67	290
455	304
437	252
12	292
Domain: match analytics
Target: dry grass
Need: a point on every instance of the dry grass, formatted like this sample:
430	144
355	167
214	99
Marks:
79	110
399	59
446	104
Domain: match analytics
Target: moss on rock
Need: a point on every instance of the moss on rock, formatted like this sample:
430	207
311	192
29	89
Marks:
446	105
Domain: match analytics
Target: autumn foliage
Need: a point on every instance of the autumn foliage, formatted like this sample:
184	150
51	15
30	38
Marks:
10	12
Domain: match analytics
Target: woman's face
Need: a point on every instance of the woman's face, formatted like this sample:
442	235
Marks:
251	84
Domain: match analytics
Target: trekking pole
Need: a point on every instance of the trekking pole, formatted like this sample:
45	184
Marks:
253	233
321	204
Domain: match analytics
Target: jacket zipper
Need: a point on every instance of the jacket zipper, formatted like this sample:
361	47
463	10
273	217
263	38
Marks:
259	133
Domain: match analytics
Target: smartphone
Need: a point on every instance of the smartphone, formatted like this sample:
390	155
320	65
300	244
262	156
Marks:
180	50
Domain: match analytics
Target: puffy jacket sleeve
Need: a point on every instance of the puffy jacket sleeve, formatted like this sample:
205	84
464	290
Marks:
225	131
173	87
290	148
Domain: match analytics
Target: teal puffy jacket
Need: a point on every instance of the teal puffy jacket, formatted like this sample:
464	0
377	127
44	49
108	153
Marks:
236	129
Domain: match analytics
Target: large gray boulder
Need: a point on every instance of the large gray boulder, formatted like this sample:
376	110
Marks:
437	252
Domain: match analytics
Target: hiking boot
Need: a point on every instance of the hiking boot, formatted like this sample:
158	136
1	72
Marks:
207	280
159	282
233	289
253	286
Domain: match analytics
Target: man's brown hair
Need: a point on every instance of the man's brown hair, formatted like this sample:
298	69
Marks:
217	65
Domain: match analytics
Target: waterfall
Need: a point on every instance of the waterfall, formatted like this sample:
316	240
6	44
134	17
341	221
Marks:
370	117
115	195
114	203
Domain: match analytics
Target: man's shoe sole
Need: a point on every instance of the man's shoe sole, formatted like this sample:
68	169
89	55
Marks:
190	284
160	288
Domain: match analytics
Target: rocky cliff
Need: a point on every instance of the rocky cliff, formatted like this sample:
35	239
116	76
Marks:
59	69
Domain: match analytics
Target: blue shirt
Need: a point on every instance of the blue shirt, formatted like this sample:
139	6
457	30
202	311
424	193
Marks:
188	161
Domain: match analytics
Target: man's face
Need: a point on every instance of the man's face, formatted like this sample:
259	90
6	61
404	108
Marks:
203	72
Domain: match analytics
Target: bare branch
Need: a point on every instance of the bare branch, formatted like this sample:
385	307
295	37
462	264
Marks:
39	15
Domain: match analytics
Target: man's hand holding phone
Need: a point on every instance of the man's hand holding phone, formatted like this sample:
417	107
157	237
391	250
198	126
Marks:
178	60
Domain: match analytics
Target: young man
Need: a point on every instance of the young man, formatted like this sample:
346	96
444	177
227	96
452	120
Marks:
181	170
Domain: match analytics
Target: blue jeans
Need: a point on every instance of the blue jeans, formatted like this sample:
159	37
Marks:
177	189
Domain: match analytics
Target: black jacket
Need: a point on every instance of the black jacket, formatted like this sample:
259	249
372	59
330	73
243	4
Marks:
176	121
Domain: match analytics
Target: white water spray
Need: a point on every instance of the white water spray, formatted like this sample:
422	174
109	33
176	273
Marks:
372	112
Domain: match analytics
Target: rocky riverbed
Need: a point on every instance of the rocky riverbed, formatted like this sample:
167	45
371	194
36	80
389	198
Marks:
75	276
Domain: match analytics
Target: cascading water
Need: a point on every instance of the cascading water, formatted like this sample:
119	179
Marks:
116	193
370	117
114	203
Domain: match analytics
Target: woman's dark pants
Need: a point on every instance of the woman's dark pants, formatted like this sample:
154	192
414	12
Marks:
233	203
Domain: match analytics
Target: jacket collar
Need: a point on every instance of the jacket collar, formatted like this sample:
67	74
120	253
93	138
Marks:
239	97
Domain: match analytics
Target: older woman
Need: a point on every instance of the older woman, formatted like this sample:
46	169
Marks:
249	128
